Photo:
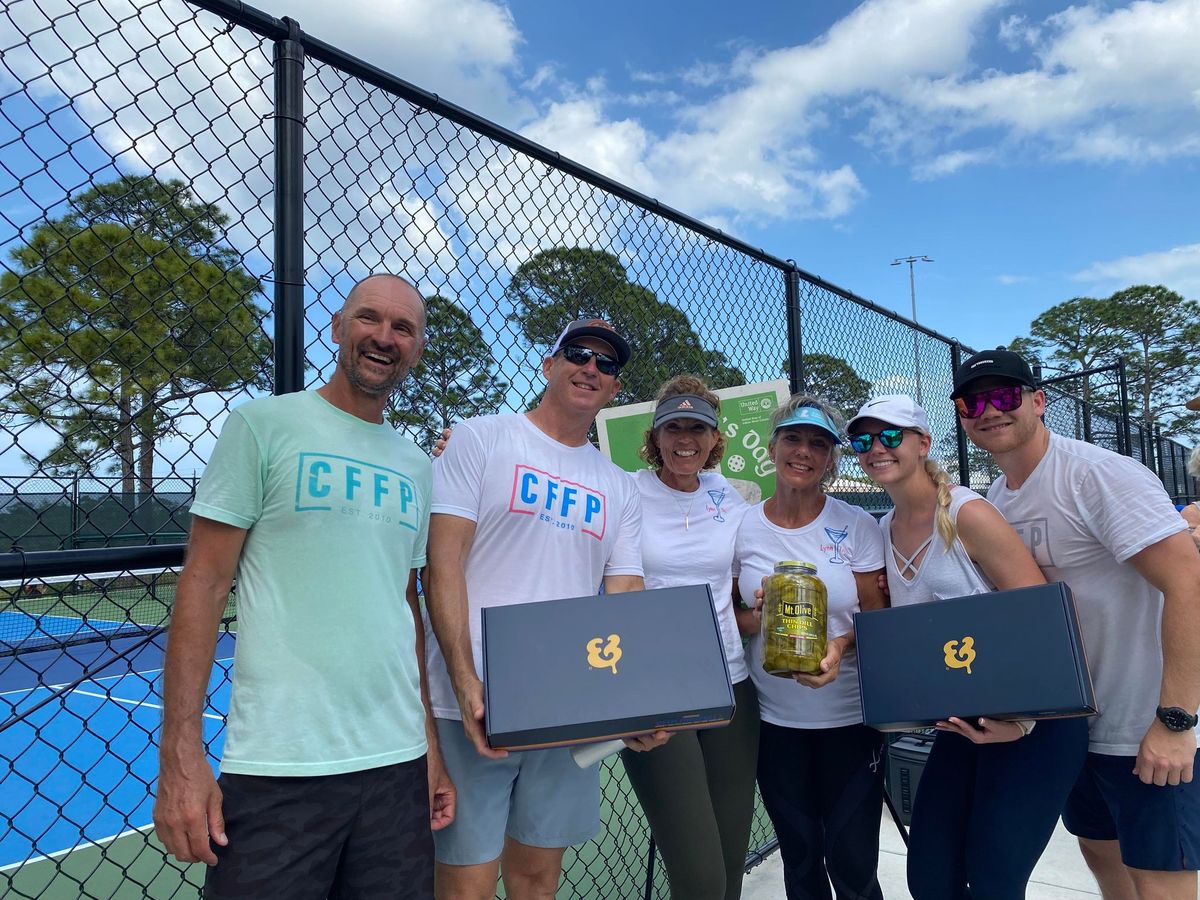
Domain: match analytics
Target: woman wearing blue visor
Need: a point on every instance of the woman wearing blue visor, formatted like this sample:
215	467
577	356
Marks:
819	767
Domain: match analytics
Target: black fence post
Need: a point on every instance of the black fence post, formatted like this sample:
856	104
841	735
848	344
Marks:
73	540
648	893
1158	456
964	458
289	212
1124	438
795	344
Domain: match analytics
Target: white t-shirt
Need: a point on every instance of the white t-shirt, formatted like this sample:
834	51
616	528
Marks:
701	553
842	540
941	574
1083	512
551	521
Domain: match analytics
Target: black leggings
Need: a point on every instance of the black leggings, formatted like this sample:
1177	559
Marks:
823	789
985	812
698	793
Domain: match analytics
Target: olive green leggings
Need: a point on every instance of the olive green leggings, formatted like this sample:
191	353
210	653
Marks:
698	793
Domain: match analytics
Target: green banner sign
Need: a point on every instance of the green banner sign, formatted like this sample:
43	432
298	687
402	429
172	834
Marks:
745	417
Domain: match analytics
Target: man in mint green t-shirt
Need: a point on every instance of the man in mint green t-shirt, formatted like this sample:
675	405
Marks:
331	778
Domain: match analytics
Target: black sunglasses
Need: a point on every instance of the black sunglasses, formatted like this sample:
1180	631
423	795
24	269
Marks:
579	356
889	437
1004	399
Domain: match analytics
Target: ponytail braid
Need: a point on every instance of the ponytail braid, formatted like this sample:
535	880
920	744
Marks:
942	520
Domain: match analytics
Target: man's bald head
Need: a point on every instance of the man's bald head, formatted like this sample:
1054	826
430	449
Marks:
384	281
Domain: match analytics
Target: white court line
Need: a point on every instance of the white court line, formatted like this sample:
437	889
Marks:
136	703
224	659
59	687
80	846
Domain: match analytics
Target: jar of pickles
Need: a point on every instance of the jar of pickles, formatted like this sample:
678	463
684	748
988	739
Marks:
794	615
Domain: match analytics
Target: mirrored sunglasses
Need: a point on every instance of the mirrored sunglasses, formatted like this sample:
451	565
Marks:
1004	399
889	437
579	356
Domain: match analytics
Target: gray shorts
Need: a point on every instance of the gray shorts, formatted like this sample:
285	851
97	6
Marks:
537	797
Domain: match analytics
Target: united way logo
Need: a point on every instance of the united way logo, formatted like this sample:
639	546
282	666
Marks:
558	503
357	489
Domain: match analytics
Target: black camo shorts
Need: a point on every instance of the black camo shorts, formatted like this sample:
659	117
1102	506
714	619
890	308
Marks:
357	836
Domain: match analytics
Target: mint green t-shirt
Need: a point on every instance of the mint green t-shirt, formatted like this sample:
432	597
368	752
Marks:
325	676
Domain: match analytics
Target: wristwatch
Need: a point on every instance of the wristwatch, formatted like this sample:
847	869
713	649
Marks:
1176	718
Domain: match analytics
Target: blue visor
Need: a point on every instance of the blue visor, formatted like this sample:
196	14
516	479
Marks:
809	415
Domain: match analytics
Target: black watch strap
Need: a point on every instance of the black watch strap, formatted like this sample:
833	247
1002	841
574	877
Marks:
1176	718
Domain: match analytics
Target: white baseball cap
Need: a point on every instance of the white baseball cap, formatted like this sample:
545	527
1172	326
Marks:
900	410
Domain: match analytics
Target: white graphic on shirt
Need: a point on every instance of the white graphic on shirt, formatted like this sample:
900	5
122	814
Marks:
1036	535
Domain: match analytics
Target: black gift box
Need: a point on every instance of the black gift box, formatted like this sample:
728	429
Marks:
590	668
1005	655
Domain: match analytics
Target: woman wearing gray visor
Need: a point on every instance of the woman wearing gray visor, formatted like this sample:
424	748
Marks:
697	789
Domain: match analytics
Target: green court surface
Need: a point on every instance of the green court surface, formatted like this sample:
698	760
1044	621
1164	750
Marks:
132	865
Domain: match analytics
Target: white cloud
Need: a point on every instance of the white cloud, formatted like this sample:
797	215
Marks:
1013	279
752	151
463	50
949	163
1090	84
542	76
1121	85
654	98
577	129
704	74
1178	268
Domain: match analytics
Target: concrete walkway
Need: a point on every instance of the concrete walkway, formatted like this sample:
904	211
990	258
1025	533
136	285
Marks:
1060	875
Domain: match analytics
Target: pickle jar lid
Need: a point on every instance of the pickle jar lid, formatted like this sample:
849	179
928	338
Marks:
796	564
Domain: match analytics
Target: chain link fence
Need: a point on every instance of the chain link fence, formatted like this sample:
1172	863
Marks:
187	193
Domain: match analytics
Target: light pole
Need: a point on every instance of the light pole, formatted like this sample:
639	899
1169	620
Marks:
912	287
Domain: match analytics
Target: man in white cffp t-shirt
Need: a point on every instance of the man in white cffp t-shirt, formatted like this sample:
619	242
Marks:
1103	524
524	509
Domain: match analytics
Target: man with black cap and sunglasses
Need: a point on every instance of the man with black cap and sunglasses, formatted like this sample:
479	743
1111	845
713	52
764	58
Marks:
524	508
1103	524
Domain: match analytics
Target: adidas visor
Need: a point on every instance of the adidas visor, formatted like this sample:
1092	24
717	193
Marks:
685	406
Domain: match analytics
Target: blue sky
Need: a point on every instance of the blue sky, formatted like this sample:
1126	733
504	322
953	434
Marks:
1036	151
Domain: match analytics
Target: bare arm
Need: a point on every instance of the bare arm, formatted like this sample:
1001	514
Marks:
1173	566
450	539
187	808
996	548
749	619
442	795
619	584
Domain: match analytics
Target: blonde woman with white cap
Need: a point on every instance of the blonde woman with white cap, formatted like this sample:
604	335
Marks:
992	790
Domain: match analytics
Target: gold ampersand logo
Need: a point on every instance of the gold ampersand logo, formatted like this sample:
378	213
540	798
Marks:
607	658
960	657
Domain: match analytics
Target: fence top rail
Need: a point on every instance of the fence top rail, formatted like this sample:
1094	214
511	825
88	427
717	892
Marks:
48	563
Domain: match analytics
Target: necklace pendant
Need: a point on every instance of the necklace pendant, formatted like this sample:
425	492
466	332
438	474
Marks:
686	521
